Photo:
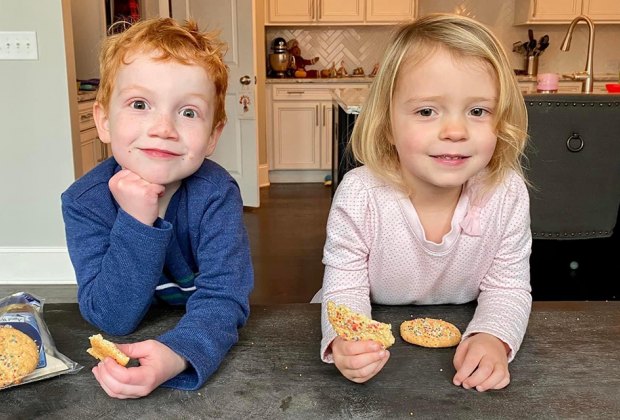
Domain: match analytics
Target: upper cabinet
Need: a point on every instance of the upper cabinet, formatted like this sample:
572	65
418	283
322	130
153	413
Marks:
333	12
563	11
380	11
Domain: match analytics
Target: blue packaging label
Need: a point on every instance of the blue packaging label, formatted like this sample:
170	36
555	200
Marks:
26	323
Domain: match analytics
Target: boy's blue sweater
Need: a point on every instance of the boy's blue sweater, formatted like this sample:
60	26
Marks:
198	256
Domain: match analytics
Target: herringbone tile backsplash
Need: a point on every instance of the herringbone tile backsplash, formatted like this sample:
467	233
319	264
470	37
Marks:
353	46
364	45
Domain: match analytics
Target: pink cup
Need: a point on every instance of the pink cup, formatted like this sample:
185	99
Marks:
547	82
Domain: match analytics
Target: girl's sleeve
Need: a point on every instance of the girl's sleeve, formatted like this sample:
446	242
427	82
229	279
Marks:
505	299
118	262
345	255
220	304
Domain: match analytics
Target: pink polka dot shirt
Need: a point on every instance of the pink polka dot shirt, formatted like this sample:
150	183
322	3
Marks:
376	252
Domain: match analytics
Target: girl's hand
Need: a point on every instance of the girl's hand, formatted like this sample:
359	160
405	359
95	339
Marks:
481	362
358	361
137	197
158	363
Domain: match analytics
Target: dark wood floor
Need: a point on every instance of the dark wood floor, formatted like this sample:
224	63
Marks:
287	234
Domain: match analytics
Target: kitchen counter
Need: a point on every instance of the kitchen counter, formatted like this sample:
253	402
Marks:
568	367
86	95
599	77
350	99
349	79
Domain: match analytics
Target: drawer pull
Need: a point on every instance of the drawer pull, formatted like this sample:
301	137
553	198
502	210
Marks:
295	92
86	117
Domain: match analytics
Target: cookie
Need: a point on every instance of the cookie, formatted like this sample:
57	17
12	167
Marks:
19	356
102	348
429	332
355	327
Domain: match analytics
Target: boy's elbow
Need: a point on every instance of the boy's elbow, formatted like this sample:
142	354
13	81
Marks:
118	329
109	325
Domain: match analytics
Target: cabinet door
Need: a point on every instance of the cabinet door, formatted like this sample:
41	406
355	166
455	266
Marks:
546	11
341	11
326	135
296	135
390	11
90	145
608	10
556	9
291	11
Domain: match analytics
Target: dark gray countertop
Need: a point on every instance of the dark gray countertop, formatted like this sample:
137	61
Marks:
568	367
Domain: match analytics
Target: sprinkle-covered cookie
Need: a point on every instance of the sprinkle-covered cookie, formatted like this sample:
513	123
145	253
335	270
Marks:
19	356
355	327
429	332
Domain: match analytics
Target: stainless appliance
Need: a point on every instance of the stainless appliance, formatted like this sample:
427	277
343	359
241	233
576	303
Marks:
342	157
279	59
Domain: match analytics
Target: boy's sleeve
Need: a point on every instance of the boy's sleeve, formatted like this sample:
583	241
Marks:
117	260
220	304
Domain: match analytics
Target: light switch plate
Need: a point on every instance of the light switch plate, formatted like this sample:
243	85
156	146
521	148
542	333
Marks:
20	45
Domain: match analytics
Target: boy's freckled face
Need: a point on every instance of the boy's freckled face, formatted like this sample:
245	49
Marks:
443	120
160	117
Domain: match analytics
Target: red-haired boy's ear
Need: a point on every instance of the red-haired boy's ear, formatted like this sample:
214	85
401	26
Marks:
102	122
214	138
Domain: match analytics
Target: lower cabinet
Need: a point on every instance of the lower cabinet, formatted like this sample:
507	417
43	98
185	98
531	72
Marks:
300	126
301	138
93	151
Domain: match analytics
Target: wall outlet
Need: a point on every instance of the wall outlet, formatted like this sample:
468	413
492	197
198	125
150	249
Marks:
18	45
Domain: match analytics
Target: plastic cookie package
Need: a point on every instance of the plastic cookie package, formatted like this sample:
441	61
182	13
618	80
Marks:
24	312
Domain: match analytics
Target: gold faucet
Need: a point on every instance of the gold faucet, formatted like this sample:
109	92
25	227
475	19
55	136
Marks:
586	76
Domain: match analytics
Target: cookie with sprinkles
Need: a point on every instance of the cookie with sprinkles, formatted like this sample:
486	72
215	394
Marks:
353	326
429	332
19	356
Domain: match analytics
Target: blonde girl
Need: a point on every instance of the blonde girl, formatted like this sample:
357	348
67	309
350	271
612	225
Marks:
439	211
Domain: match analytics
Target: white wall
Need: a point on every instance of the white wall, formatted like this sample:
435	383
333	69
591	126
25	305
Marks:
36	157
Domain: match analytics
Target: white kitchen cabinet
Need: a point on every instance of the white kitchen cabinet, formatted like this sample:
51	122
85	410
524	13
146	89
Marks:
93	151
330	12
302	127
314	11
563	11
296	135
378	11
300	130
347	11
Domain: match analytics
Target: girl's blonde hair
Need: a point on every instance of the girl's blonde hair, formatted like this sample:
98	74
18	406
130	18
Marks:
464	38
172	41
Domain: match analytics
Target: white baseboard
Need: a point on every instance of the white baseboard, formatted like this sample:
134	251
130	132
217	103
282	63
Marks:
263	175
36	265
301	176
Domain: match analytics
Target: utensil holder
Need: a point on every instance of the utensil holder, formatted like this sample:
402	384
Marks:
531	65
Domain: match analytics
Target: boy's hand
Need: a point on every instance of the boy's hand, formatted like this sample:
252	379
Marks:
481	362
158	363
358	361
137	197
